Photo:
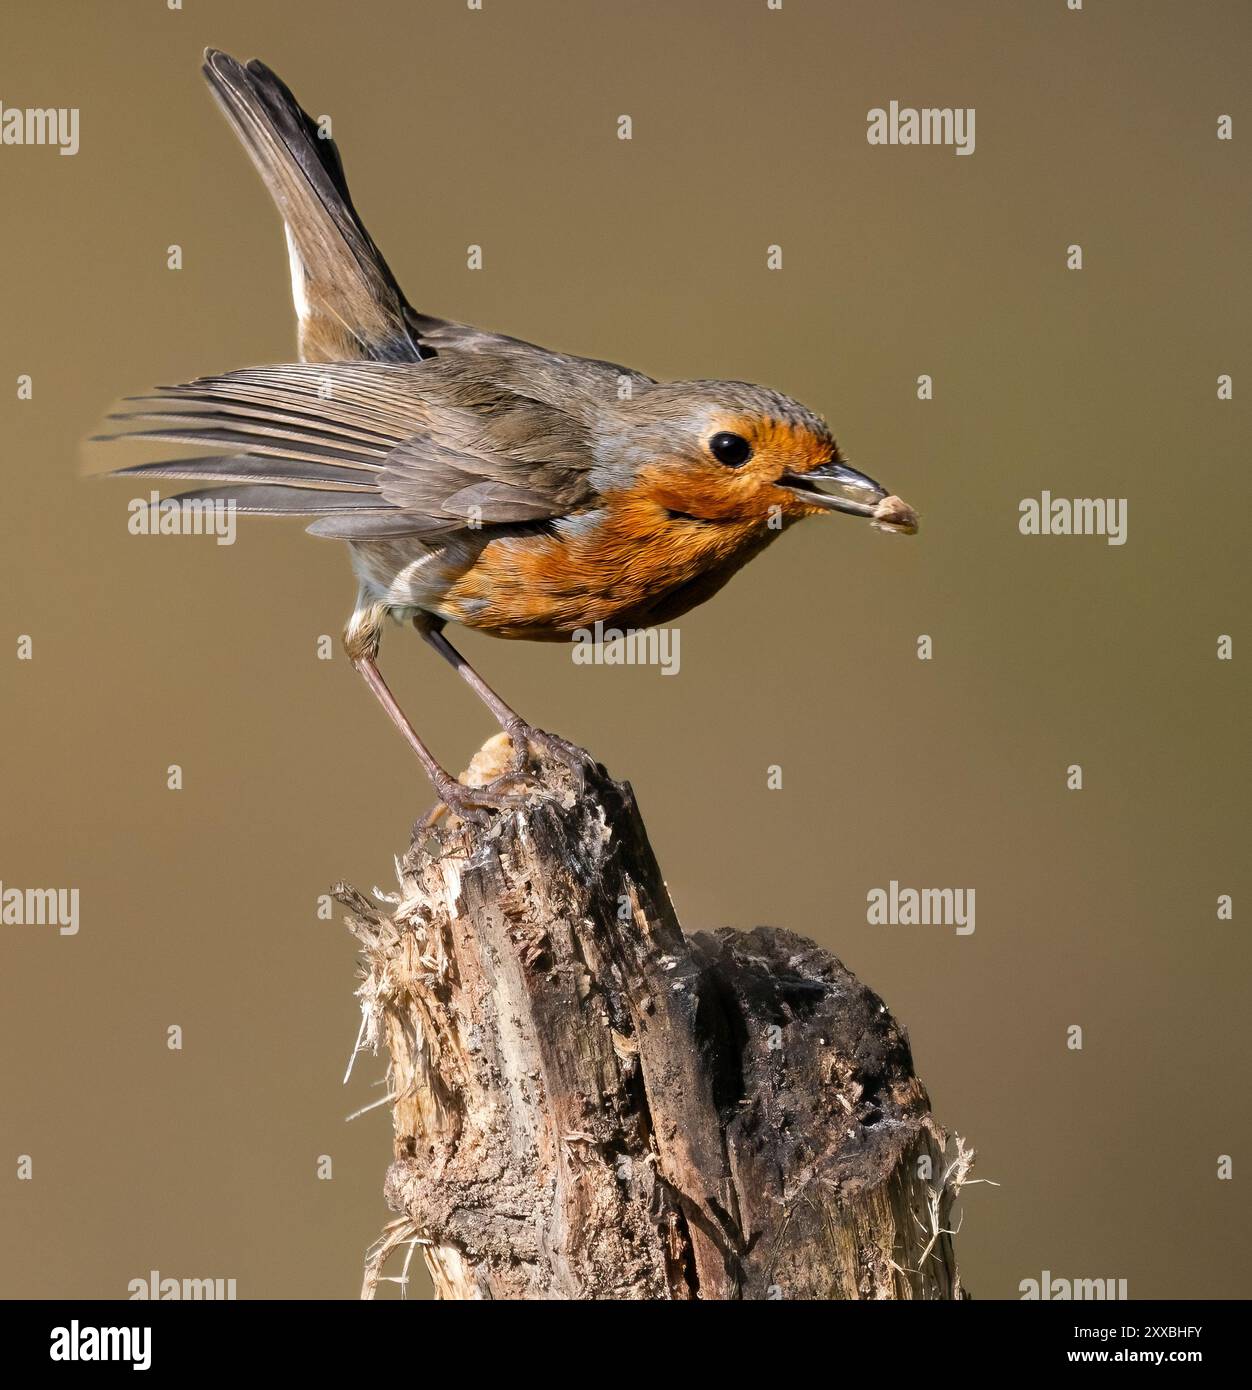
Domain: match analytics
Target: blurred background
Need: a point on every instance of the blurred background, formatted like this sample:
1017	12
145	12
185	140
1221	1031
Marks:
1096	908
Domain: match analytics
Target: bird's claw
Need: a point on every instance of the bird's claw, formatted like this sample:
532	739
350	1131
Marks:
526	739
510	789
470	804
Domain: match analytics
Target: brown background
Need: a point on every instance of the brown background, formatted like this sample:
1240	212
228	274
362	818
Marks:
1095	907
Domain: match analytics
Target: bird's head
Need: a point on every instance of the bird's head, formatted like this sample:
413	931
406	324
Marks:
728	451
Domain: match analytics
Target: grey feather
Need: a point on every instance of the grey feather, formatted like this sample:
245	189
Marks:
309	434
267	500
447	445
242	468
355	307
259	443
378	526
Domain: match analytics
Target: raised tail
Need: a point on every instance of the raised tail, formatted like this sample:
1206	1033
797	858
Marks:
347	301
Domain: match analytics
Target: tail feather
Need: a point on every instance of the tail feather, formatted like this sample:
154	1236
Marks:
347	300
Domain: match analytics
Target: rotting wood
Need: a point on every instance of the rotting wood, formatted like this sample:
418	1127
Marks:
590	1104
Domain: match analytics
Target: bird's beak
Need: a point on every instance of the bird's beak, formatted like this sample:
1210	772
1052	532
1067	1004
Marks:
858	495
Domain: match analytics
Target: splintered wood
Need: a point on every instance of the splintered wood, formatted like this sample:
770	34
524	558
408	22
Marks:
589	1104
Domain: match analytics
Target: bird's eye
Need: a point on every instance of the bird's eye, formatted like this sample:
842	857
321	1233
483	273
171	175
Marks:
730	449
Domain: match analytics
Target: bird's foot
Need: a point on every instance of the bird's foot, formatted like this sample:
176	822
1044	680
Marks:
474	805
527	740
503	774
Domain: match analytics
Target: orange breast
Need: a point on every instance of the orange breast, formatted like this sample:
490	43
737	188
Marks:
631	563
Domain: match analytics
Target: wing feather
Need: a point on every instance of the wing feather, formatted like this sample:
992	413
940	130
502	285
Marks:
422	449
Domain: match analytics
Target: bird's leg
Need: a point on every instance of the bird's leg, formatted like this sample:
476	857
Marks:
467	802
508	719
522	735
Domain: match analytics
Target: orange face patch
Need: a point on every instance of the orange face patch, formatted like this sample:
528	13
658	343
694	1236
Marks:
703	488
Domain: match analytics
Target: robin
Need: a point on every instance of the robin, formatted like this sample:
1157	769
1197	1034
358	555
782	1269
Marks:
477	478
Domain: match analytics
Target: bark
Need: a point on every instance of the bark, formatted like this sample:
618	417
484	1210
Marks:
588	1103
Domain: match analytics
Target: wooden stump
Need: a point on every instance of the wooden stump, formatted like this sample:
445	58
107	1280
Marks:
590	1104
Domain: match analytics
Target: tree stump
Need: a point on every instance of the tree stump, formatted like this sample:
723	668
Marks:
588	1103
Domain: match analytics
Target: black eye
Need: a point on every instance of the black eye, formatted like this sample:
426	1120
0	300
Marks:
730	449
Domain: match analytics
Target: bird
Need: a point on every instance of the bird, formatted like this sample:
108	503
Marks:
478	478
